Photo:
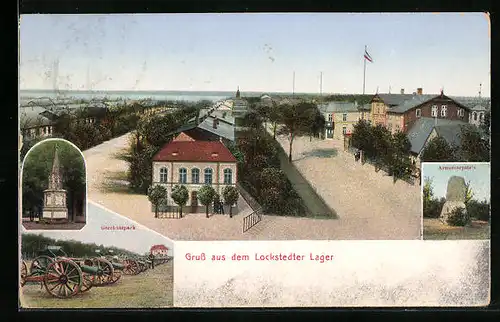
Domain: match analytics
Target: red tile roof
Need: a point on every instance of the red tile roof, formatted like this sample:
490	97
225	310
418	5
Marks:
195	151
158	247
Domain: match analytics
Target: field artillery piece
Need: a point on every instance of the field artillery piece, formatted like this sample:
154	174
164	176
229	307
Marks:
117	268
62	277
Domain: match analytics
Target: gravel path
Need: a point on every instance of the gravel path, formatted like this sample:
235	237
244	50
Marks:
369	205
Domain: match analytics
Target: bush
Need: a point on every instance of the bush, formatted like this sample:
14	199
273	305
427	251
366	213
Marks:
479	210
458	217
432	208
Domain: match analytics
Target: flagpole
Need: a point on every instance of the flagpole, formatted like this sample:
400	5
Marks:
364	72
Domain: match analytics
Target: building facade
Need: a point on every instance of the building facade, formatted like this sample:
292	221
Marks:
399	112
159	250
191	163
340	118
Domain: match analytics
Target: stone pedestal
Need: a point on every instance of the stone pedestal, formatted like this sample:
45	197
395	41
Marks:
54	206
448	208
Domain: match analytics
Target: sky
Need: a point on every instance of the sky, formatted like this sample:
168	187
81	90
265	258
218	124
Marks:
258	52
478	175
139	240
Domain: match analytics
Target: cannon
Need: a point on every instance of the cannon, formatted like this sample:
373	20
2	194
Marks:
94	271
112	266
62	277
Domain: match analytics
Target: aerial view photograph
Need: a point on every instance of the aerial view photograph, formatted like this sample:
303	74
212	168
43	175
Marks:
253	126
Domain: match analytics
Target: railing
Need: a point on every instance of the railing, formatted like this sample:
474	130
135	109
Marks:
170	214
251	220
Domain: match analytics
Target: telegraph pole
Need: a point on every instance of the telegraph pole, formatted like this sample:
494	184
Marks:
293	85
321	84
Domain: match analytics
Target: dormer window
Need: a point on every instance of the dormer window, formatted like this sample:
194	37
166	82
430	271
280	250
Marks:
434	111
215	154
418	112
443	110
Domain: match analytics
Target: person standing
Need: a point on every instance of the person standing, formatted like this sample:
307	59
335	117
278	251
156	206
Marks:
152	259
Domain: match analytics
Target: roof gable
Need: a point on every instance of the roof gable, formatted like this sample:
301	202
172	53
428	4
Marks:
194	151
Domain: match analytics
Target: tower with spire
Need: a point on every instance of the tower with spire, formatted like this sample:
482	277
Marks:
54	201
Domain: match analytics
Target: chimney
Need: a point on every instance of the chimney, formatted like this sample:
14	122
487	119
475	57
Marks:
419	91
402	90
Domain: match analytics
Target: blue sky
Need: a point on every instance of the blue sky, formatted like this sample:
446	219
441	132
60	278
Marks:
139	240
479	177
258	52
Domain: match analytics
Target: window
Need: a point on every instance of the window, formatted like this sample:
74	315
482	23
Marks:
434	112
418	112
474	116
228	176
344	117
481	116
163	175
182	175
208	176
195	175
344	130
443	110
330	117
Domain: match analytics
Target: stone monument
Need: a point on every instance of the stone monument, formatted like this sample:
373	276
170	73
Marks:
455	197
54	201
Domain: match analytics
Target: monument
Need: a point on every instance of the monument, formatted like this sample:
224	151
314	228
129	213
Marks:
455	197
54	201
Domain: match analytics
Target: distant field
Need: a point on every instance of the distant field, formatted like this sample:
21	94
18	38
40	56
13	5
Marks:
434	229
150	289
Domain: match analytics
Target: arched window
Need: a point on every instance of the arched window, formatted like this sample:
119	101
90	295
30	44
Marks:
182	175
195	175
163	175
474	115
208	176
228	176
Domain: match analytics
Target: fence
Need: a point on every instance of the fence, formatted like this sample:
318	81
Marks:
251	220
256	216
172	213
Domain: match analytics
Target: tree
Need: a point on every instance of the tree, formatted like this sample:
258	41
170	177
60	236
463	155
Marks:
297	120
38	166
230	195
438	150
156	194
274	116
474	147
180	195
428	193
206	196
469	194
362	138
398	156
486	124
317	125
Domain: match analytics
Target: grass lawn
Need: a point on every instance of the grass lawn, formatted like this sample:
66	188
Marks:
435	230
150	289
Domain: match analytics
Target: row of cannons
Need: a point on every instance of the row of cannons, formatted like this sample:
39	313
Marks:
65	277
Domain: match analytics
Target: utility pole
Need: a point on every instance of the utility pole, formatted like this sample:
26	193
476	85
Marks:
293	85
321	84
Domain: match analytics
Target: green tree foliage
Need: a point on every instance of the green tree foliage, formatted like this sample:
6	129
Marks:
156	194
438	150
297	120
458	217
431	205
474	146
206	196
180	195
36	171
469	194
359	98
230	195
317	124
486	125
479	210
362	138
32	244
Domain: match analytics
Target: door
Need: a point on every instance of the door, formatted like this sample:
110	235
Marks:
194	201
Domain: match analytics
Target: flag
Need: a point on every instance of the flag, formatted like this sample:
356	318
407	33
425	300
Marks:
368	57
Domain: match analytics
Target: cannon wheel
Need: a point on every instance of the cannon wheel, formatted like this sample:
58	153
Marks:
63	278
24	273
41	263
88	282
131	267
117	274
106	276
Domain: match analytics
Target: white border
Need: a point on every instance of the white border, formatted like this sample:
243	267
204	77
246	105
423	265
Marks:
20	193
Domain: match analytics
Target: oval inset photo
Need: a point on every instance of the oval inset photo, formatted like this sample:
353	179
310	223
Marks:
54	189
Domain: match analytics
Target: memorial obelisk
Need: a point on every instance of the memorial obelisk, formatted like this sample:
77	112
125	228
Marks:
54	201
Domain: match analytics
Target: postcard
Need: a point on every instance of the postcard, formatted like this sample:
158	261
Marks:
254	160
